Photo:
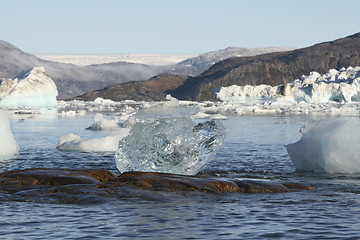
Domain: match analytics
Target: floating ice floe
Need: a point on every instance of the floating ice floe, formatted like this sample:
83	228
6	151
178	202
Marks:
33	88
341	86
330	145
164	138
73	142
8	146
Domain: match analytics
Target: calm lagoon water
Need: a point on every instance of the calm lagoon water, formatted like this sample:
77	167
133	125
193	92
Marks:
253	147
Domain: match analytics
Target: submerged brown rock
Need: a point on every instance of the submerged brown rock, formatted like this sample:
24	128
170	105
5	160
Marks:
94	185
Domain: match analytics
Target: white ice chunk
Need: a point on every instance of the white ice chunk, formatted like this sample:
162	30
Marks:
67	139
8	145
102	101
330	145
101	123
70	113
34	88
72	142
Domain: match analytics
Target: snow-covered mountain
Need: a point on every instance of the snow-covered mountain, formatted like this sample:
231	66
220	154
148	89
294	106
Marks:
91	59
197	65
271	69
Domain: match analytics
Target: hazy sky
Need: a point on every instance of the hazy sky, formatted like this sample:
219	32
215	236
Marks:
172	26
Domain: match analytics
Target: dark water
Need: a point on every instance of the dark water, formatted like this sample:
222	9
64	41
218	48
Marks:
253	147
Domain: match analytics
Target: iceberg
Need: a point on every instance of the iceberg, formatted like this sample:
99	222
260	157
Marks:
8	147
164	138
341	86
33	88
329	145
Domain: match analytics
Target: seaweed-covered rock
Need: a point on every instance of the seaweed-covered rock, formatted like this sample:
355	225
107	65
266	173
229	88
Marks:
94	185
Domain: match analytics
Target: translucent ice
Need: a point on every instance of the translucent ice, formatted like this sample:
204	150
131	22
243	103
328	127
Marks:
8	146
172	145
164	138
330	145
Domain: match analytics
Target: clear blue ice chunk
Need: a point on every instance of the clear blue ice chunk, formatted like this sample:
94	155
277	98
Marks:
173	145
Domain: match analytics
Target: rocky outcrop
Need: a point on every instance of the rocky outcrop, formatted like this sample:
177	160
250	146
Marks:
153	89
272	69
95	185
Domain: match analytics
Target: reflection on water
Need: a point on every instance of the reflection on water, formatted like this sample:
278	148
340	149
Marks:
253	147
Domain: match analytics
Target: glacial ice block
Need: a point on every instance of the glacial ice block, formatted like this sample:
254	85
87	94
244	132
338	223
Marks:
330	145
8	146
33	88
172	145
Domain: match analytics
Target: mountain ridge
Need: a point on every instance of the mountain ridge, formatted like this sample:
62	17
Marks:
275	68
74	80
153	89
272	68
197	65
